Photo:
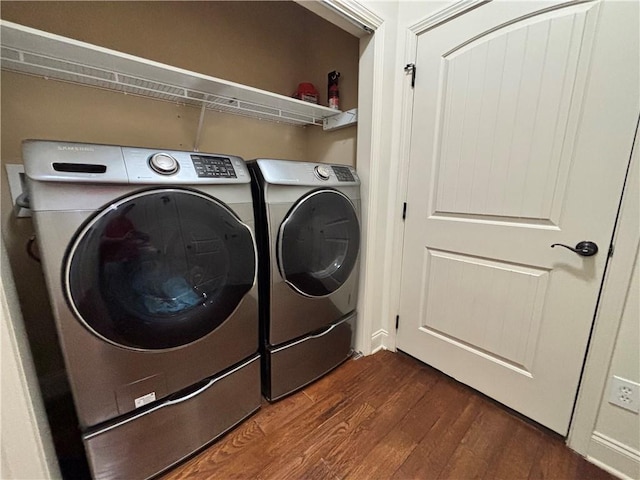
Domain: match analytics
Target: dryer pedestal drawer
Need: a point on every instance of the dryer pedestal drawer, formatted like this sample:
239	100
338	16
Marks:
294	365
145	444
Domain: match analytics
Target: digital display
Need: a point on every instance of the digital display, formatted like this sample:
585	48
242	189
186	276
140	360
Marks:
343	174
213	167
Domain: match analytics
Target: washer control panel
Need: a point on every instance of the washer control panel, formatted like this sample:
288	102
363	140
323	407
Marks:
146	166
83	162
209	166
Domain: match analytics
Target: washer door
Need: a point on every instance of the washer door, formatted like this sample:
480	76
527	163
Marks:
318	243
159	269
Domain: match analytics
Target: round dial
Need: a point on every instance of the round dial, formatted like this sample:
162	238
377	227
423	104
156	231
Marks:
164	163
323	173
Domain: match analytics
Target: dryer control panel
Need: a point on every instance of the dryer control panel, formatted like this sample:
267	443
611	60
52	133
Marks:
288	172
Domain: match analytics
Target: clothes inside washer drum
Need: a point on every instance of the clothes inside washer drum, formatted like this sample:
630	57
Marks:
167	274
176	295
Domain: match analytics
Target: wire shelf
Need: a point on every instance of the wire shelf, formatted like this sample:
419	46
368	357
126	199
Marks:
34	52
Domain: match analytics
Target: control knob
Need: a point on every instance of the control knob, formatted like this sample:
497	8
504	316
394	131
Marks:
323	173
164	164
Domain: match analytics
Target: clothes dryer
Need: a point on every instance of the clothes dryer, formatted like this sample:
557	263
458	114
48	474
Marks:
309	242
150	262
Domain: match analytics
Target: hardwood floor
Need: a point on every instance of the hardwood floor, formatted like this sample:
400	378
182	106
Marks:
386	416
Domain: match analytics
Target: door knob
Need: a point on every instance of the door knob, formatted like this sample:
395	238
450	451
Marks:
584	248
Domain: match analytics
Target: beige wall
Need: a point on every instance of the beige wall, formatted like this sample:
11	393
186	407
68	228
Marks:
268	45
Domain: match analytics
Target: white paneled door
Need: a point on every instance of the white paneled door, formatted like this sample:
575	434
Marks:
523	121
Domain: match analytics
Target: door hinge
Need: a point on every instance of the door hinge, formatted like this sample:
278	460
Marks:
397	321
404	210
610	254
411	67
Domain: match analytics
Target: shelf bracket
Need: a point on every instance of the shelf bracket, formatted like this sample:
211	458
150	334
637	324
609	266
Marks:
196	144
341	120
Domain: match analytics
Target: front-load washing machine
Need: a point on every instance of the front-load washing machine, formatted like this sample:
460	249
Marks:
309	241
150	262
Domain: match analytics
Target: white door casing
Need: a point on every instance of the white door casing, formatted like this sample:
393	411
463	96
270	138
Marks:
523	121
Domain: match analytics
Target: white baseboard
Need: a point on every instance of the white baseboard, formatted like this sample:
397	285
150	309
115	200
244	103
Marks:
378	340
616	458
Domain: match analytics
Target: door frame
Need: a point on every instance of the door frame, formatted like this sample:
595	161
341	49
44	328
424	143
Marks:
617	275
403	133
374	28
583	437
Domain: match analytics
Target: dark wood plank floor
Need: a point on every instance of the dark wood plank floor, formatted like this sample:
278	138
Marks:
387	416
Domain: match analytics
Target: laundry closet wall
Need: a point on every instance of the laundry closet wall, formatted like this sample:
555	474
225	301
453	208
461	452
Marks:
268	45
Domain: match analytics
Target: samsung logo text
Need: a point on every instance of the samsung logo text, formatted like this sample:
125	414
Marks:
75	149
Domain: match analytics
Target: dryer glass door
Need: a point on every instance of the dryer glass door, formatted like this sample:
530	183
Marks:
318	243
159	269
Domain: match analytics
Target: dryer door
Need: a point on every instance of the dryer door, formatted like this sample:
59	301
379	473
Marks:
159	269
318	243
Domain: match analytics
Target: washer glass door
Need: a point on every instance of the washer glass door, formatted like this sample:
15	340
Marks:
159	269
318	243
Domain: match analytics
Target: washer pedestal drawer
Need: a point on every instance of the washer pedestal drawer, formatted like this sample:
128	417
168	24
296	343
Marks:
292	366
146	443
